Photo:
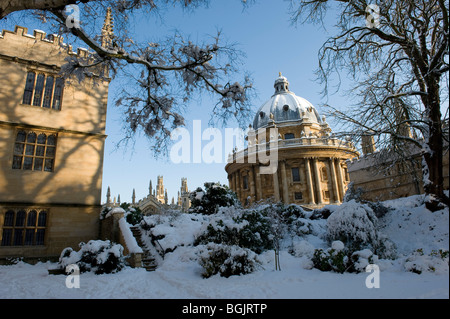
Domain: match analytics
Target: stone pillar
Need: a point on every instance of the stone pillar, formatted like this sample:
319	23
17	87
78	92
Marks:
276	186
238	186
309	181
334	183
340	178
318	183
285	182
251	177
259	191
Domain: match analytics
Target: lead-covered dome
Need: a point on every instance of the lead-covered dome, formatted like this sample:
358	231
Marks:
284	106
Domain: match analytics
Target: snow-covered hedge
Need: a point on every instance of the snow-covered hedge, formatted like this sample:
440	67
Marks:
340	259
209	200
436	261
226	260
244	228
354	224
97	256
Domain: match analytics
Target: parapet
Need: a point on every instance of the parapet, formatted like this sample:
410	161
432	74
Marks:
20	36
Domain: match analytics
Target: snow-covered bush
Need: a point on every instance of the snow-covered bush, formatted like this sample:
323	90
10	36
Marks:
340	259
244	228
436	261
209	200
295	220
227	260
361	259
354	224
133	215
97	256
353	193
169	231
333	259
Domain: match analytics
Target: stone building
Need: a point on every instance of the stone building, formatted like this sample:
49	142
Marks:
157	199
310	162
52	135
184	201
382	175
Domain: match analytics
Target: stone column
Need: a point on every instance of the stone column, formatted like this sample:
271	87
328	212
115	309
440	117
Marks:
251	177
285	182
258	184
238	185
309	181
276	186
318	183
340	179
334	183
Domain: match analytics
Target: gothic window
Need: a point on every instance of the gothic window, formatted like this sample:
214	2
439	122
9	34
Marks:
43	90
34	151
29	88
295	174
38	89
24	228
289	136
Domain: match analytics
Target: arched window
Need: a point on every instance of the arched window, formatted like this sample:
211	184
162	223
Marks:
29	88
48	92
38	89
8	228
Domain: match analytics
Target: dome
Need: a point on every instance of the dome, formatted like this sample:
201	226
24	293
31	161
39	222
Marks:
285	106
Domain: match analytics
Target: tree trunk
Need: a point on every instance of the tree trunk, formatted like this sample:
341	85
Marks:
433	171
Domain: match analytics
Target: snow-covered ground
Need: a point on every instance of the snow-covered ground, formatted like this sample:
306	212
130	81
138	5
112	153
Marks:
179	274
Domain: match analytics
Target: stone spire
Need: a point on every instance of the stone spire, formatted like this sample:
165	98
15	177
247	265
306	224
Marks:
150	188
133	198
108	196
107	30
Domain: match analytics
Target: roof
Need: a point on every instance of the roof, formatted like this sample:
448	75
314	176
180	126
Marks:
285	106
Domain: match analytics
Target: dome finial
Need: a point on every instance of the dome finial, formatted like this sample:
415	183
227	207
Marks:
281	84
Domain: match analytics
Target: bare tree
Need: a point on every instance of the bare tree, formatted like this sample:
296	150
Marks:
163	76
396	53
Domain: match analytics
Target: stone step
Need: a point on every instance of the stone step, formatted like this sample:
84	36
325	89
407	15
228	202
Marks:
148	261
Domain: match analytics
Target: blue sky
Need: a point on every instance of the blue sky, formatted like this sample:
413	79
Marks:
271	43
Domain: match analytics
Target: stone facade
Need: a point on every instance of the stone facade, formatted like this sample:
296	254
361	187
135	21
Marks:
382	177
310	164
52	134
